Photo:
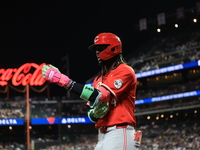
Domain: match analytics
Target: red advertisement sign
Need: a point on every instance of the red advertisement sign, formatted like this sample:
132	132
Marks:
29	73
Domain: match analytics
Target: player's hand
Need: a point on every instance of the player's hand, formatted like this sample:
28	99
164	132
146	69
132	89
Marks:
53	75
45	68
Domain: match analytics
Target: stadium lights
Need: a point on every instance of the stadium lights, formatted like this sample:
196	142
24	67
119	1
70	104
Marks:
195	20
10	128
158	30
176	25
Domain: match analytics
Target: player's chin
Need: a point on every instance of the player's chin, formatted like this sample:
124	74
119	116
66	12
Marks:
100	62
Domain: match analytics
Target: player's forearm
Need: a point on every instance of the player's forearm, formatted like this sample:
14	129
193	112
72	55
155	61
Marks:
98	98
86	92
78	89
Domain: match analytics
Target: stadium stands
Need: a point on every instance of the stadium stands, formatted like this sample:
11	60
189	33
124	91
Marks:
167	125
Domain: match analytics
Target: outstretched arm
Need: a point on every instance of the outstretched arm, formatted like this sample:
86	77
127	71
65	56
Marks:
86	92
99	98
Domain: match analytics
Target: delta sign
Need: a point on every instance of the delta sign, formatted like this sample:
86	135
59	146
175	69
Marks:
28	73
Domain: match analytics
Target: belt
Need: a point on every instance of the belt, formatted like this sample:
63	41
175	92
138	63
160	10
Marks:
122	125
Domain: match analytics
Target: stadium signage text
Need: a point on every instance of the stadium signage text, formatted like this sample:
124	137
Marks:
168	97
74	120
11	121
53	120
168	69
29	73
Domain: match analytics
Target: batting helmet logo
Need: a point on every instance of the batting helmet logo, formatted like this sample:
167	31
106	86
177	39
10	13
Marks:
96	39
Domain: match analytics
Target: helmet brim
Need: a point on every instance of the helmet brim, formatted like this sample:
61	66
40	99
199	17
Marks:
91	47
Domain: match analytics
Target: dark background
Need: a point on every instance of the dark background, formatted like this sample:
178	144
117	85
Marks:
46	31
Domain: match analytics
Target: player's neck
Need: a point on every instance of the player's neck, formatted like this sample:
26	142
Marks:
108	66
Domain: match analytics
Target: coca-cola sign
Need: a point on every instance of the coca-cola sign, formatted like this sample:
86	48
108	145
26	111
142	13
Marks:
29	73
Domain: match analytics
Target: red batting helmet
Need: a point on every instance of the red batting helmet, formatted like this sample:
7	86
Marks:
113	42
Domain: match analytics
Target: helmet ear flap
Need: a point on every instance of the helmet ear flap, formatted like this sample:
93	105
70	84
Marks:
115	48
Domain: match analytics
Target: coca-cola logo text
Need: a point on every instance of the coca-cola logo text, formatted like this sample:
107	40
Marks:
23	75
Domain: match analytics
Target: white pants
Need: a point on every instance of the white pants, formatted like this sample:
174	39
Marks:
116	139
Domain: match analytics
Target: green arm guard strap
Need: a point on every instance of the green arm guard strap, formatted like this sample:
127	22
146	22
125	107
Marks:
86	92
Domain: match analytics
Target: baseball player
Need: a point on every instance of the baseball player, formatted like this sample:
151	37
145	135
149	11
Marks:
111	98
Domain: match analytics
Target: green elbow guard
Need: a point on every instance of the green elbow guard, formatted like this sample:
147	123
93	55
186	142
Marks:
86	92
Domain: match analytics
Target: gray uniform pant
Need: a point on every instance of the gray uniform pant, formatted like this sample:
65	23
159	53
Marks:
116	139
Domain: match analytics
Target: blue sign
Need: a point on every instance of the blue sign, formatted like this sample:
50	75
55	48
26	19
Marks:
164	70
168	69
70	120
53	120
45	121
90	84
167	97
11	121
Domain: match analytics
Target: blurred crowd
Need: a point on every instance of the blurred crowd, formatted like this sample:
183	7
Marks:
12	146
12	109
168	89
162	52
43	109
184	47
166	135
80	109
184	135
81	142
174	134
